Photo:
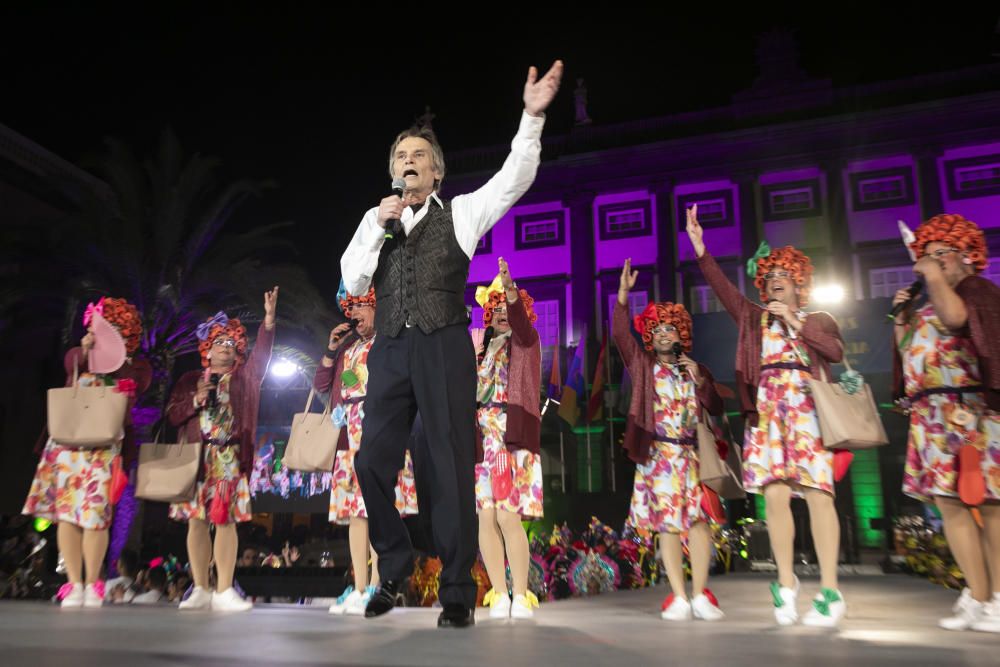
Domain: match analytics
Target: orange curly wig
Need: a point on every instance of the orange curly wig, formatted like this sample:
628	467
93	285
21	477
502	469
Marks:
788	259
664	313
234	329
347	303
498	297
125	317
956	232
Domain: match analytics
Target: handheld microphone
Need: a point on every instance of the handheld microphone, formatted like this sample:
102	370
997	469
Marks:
487	336
915	288
678	350
213	398
353	324
770	316
393	227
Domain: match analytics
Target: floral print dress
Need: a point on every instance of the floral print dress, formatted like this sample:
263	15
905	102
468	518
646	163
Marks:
73	484
222	481
934	361
346	500
525	497
667	494
785	444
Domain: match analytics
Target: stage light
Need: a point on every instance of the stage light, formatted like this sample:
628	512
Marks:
284	368
831	293
41	525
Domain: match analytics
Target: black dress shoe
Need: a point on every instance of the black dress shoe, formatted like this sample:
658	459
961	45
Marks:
383	600
456	616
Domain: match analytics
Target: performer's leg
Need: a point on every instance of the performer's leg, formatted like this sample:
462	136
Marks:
700	548
781	530
991	543
69	537
491	546
443	366
226	546
516	545
964	540
673	561
389	411
95	547
199	546
825	526
357	539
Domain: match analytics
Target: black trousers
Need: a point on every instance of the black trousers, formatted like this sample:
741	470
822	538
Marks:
434	374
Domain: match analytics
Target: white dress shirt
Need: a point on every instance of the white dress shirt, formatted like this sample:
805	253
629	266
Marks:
473	214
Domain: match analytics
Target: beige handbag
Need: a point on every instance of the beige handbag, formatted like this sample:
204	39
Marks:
88	417
723	477
847	421
312	444
168	472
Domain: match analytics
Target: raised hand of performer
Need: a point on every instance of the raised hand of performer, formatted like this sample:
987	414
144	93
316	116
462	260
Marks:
506	281
270	303
695	231
626	282
538	93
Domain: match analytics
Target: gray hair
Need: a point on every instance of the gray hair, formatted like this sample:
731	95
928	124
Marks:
427	134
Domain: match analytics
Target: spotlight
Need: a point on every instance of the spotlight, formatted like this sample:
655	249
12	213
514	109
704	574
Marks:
284	368
831	293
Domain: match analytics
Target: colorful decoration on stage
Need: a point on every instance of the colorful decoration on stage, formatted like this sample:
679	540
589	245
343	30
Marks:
271	476
922	549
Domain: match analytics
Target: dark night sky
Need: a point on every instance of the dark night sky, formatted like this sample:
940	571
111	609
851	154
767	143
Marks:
299	93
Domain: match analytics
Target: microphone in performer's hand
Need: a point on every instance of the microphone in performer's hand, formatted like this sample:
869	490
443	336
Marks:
394	226
914	290
213	397
487	336
770	315
352	325
678	351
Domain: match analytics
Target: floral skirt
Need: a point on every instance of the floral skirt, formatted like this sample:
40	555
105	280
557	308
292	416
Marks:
73	485
221	477
346	500
932	449
667	494
785	444
525	497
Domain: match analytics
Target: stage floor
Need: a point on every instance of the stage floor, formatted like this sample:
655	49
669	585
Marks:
891	621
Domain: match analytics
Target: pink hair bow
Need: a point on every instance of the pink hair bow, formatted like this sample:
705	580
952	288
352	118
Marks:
91	310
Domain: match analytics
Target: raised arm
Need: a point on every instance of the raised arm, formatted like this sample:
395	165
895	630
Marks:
475	213
523	332
728	294
260	355
621	330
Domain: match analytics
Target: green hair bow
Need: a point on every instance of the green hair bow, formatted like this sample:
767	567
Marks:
763	250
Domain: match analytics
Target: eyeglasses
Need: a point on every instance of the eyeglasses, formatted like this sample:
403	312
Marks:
664	329
941	252
224	342
771	275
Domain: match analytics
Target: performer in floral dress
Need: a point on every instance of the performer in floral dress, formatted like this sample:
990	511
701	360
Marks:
72	485
670	391
949	368
218	406
509	478
344	373
780	347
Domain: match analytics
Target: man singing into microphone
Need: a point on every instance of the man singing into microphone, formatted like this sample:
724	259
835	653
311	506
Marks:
423	357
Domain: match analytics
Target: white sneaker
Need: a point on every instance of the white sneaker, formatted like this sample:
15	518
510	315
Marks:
356	603
93	597
675	609
785	599
969	612
522	604
966	592
705	607
499	603
990	622
340	606
828	608
199	599
230	600
74	599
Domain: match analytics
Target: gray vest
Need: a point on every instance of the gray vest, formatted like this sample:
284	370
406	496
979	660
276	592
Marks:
421	277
